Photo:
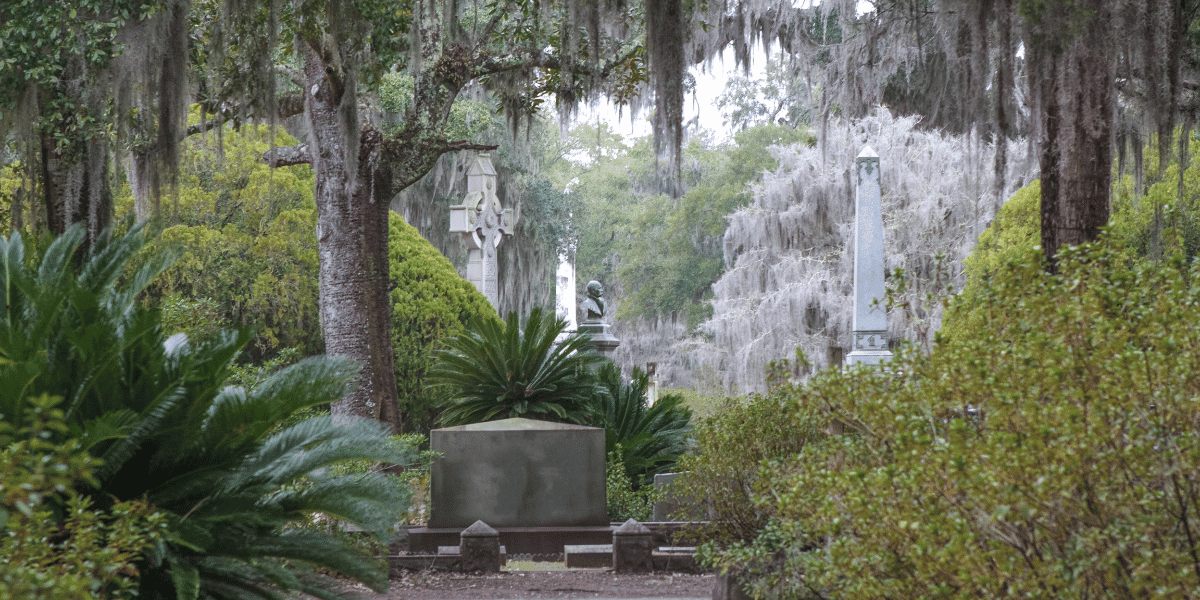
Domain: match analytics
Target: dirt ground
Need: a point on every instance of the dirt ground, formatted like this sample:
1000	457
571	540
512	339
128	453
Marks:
528	585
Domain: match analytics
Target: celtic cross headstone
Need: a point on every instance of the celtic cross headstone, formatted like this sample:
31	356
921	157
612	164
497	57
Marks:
869	320
483	223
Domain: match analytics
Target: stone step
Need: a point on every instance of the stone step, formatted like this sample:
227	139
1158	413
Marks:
453	551
588	556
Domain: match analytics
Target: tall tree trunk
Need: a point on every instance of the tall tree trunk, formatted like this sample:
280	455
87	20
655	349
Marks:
75	187
351	234
1078	114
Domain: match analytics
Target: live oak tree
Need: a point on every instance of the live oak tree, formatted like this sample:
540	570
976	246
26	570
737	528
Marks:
521	51
72	76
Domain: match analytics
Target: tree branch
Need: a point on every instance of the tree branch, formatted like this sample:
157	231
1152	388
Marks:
490	65
286	156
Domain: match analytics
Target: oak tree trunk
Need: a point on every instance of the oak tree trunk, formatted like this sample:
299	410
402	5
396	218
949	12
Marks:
1078	114
75	187
351	192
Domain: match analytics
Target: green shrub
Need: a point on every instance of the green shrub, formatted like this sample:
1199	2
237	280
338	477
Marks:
54	544
1058	457
431	303
624	501
233	484
245	237
723	469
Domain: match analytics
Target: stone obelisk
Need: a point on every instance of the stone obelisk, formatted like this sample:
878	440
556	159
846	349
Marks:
869	321
483	224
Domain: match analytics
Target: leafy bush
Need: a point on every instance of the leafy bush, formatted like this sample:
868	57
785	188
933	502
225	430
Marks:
646	440
723	469
245	235
54	544
1056	457
210	457
496	370
623	500
430	304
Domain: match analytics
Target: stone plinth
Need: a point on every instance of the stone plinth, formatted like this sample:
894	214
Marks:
633	548
479	548
518	473
603	342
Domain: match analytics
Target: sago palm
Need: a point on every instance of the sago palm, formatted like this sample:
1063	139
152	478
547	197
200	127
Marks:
236	488
496	370
651	437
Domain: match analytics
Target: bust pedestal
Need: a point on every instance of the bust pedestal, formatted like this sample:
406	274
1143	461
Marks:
602	341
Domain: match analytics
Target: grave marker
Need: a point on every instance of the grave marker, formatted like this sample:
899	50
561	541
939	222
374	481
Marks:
484	224
869	320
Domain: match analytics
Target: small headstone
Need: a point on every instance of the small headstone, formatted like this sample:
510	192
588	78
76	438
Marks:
483	224
633	548
869	321
479	548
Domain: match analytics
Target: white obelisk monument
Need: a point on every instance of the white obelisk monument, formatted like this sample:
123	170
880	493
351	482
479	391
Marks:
869	321
483	224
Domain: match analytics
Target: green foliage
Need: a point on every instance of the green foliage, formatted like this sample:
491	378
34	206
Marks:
245	237
47	45
723	469
431	303
468	118
233	485
1056	457
54	543
662	254
646	440
779	97
497	370
624	501
1163	219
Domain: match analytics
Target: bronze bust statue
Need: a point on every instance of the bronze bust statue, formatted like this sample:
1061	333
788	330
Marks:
594	306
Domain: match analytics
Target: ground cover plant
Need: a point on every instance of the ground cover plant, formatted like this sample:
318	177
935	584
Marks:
54	544
1056	457
233	483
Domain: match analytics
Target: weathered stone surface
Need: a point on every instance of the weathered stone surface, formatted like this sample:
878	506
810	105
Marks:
588	556
480	529
633	548
728	587
667	505
483	223
518	473
479	549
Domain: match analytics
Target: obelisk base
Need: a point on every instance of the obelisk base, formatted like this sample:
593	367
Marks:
868	357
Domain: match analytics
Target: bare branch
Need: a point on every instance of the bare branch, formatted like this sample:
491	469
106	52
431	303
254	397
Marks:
467	145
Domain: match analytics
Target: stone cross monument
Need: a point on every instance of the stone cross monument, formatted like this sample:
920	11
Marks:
483	224
869	321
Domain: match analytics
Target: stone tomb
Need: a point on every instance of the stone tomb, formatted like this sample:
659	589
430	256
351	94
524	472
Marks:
518	473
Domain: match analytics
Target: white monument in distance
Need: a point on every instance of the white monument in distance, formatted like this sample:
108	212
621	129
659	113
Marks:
564	294
483	224
869	321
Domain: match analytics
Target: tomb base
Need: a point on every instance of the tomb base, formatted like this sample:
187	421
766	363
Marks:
517	540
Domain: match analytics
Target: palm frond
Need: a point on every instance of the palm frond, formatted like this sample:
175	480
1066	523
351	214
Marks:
315	443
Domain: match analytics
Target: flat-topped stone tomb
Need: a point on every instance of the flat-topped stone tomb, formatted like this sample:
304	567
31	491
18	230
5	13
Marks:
518	473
